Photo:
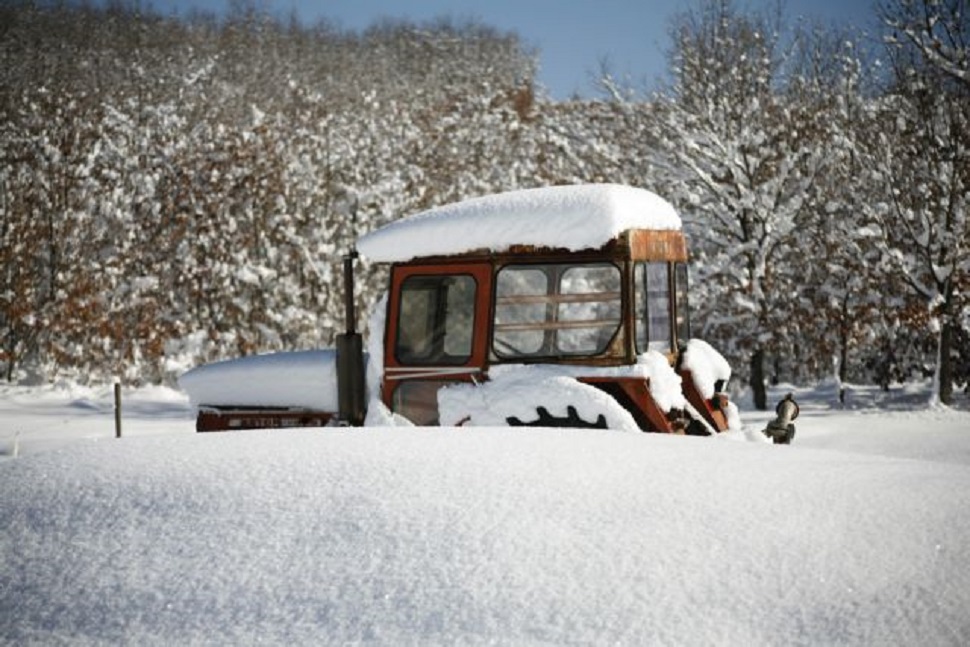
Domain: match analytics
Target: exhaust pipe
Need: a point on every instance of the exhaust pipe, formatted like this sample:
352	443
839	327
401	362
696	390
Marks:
351	388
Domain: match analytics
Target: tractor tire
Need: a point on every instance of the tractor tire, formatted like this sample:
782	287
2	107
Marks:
570	420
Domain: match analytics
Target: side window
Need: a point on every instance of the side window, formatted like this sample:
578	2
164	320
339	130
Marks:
555	310
589	312
640	306
652	307
436	320
682	323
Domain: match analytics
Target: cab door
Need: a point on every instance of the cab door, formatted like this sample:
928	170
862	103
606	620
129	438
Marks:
436	334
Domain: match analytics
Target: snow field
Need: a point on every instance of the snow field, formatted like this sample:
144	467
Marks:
499	536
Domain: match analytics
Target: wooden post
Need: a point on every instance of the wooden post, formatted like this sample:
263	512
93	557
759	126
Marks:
117	409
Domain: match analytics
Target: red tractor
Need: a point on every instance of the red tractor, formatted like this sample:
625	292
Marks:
562	306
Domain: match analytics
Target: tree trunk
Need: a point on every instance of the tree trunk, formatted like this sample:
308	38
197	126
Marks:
945	369
758	390
843	360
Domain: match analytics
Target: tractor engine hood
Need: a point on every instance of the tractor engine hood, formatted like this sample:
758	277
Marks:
292	379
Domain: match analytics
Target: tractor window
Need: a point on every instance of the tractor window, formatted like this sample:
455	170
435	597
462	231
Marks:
556	310
682	312
436	320
652	307
520	310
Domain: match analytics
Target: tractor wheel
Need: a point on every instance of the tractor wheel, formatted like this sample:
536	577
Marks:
546	419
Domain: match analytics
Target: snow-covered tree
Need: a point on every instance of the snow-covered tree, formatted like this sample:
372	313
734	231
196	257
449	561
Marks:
182	190
923	161
845	281
748	158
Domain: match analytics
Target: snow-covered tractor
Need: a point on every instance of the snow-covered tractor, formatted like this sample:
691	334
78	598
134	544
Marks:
563	306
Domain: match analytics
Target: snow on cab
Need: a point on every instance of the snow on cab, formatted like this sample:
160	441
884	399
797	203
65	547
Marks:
561	306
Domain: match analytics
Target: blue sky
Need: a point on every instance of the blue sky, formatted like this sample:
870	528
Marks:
571	36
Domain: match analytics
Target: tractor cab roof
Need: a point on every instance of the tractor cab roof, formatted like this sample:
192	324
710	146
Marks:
565	218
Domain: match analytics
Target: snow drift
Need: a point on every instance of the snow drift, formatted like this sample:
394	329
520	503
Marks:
497	536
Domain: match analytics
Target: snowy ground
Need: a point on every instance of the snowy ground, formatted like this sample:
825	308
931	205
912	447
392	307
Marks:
857	534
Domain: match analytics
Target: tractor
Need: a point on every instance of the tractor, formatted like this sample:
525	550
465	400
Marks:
563	306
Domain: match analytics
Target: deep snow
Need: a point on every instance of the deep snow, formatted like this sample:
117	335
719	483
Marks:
857	534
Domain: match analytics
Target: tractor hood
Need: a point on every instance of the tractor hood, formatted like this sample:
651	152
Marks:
293	379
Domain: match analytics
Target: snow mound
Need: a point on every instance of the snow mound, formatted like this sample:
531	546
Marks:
665	383
293	379
571	217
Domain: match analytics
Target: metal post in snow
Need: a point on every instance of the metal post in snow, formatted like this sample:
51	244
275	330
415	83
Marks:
117	409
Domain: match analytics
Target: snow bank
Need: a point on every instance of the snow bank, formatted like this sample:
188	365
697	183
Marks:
295	379
572	217
480	536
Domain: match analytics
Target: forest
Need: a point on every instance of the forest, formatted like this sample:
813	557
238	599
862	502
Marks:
177	190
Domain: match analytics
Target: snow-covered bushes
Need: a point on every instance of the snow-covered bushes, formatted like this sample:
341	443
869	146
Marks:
180	191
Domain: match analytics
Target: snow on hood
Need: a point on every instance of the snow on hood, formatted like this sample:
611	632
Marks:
294	379
706	365
571	217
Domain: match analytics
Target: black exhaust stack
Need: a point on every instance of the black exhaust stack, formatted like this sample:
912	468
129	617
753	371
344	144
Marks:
351	389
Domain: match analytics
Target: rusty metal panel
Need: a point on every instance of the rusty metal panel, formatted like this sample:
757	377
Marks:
649	245
637	399
711	410
213	419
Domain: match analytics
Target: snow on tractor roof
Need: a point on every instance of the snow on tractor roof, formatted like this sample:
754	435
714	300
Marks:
571	217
